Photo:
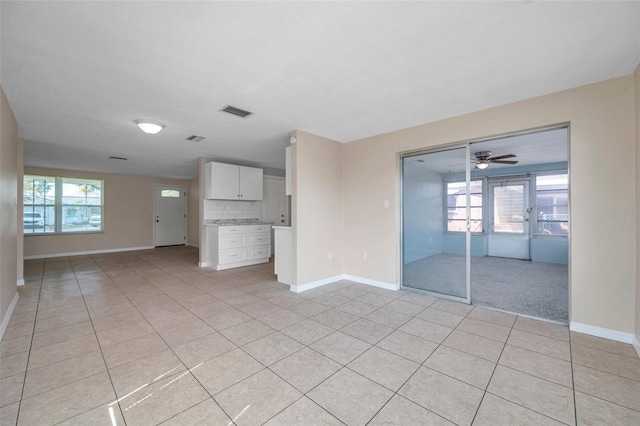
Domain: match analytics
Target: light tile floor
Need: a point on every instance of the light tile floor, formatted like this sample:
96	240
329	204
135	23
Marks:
147	337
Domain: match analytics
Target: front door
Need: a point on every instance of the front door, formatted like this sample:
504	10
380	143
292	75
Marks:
509	220
170	215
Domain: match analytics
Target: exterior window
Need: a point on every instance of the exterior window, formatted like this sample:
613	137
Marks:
457	206
39	198
170	193
54	205
552	204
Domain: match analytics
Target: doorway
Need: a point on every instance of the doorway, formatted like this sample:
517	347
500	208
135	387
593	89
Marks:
487	223
170	215
275	204
508	233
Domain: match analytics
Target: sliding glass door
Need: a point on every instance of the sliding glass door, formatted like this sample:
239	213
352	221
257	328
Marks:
438	211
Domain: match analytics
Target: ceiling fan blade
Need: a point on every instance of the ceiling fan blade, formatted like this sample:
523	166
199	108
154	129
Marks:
503	162
500	157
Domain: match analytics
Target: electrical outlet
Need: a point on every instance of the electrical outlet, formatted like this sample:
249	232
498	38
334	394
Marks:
329	255
386	204
364	255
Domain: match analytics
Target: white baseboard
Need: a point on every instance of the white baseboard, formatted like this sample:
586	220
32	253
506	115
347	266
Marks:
314	284
193	245
20	281
367	281
7	316
605	333
636	344
203	264
82	253
335	278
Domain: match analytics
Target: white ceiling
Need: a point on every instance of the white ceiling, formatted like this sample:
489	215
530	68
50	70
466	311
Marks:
77	74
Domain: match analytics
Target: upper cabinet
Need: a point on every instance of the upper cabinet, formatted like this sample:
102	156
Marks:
232	182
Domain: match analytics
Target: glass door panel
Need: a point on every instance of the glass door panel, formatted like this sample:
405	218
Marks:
437	203
509	228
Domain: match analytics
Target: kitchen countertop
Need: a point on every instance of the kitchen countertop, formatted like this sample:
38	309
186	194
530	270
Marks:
234	222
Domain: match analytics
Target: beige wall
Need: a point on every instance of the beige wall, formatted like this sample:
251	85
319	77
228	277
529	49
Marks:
8	204
602	166
20	249
317	208
193	212
128	215
637	93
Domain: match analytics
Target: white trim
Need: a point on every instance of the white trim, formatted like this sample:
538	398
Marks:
80	253
335	278
7	316
20	282
238	264
203	264
374	283
192	245
606	333
636	344
308	286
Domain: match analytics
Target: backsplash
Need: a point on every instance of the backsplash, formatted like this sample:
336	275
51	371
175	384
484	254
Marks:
223	209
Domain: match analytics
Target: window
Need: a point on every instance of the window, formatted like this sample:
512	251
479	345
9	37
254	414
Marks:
54	205
170	193
552	204
457	206
39	198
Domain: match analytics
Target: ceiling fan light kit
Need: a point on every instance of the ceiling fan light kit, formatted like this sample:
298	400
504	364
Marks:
484	159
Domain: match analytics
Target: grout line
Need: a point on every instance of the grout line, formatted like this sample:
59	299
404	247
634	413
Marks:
573	383
493	372
160	263
26	369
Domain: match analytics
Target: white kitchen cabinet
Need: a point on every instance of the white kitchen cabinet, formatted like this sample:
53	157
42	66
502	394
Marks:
233	182
250	183
235	246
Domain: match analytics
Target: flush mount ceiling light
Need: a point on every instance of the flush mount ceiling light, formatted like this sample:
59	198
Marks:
149	126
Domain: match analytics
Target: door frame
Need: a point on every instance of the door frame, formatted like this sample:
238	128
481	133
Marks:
153	218
401	156
494	181
467	143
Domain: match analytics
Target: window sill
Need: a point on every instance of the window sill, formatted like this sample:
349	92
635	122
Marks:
51	234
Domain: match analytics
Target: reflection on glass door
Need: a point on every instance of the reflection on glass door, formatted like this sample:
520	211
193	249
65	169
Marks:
509	228
437	203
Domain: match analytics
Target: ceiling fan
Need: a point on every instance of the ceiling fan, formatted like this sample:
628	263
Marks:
484	158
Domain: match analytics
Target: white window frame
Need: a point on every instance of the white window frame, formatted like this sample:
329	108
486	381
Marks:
58	206
534	198
483	210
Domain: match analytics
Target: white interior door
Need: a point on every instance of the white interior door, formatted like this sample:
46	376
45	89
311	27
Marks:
170	215
509	221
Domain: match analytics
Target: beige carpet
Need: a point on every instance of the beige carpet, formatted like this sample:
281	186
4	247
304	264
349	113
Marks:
539	290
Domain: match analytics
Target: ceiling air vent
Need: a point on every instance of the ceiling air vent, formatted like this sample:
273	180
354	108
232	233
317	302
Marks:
117	158
236	111
194	138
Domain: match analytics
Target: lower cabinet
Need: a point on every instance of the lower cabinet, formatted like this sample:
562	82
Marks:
235	246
